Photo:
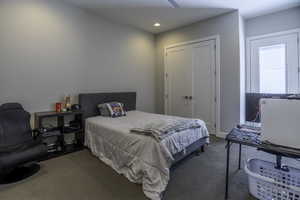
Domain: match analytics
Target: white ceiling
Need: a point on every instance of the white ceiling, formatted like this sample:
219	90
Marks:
169	18
144	13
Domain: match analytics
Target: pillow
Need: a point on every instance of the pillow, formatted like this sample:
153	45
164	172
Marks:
112	109
116	109
103	110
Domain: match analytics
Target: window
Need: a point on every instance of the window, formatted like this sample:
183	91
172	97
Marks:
272	69
273	66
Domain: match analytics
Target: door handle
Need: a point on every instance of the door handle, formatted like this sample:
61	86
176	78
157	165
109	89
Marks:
188	97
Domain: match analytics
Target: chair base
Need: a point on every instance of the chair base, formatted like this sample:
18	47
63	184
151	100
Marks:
20	174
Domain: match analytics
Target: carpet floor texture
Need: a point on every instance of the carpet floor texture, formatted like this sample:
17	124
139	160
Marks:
81	176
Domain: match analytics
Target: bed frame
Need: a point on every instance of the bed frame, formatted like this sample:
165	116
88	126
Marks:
89	102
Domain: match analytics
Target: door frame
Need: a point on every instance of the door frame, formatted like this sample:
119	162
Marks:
216	38
248	52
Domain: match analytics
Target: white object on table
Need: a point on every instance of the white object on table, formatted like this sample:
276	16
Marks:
280	122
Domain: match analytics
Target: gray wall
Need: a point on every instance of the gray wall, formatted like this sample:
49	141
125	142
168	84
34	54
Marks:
276	22
227	26
50	49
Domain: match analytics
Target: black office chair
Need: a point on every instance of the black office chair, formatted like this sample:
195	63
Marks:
20	146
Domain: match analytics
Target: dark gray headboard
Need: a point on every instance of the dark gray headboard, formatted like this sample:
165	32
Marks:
89	102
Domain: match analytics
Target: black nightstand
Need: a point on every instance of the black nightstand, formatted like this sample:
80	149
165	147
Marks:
60	130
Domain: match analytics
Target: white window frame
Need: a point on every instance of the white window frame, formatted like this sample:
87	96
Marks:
248	53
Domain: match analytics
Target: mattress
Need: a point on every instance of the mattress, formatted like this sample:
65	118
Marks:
140	158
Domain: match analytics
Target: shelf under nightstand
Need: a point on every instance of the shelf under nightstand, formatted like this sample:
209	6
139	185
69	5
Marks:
61	130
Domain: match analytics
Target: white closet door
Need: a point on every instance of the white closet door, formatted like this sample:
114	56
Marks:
204	67
190	82
179	81
274	65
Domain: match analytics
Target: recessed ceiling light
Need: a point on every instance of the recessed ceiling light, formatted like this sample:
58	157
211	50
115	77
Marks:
156	24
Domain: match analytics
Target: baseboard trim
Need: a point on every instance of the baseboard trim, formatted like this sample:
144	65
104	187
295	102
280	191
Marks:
221	134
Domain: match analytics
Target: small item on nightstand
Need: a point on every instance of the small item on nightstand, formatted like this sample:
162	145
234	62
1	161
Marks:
68	103
58	107
75	107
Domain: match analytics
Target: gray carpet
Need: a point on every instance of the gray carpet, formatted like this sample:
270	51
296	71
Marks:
81	176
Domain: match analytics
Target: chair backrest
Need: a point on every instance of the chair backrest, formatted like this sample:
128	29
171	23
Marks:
15	127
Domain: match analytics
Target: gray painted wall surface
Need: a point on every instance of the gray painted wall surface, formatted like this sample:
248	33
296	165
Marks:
276	22
227	26
50	49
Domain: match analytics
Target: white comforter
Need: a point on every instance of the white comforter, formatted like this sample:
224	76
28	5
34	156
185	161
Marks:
140	158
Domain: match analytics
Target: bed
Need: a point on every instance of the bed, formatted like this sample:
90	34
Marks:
140	158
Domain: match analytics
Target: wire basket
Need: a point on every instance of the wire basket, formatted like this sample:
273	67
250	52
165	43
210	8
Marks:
268	183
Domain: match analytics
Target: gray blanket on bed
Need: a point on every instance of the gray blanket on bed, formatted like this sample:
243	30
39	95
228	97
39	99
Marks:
162	128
